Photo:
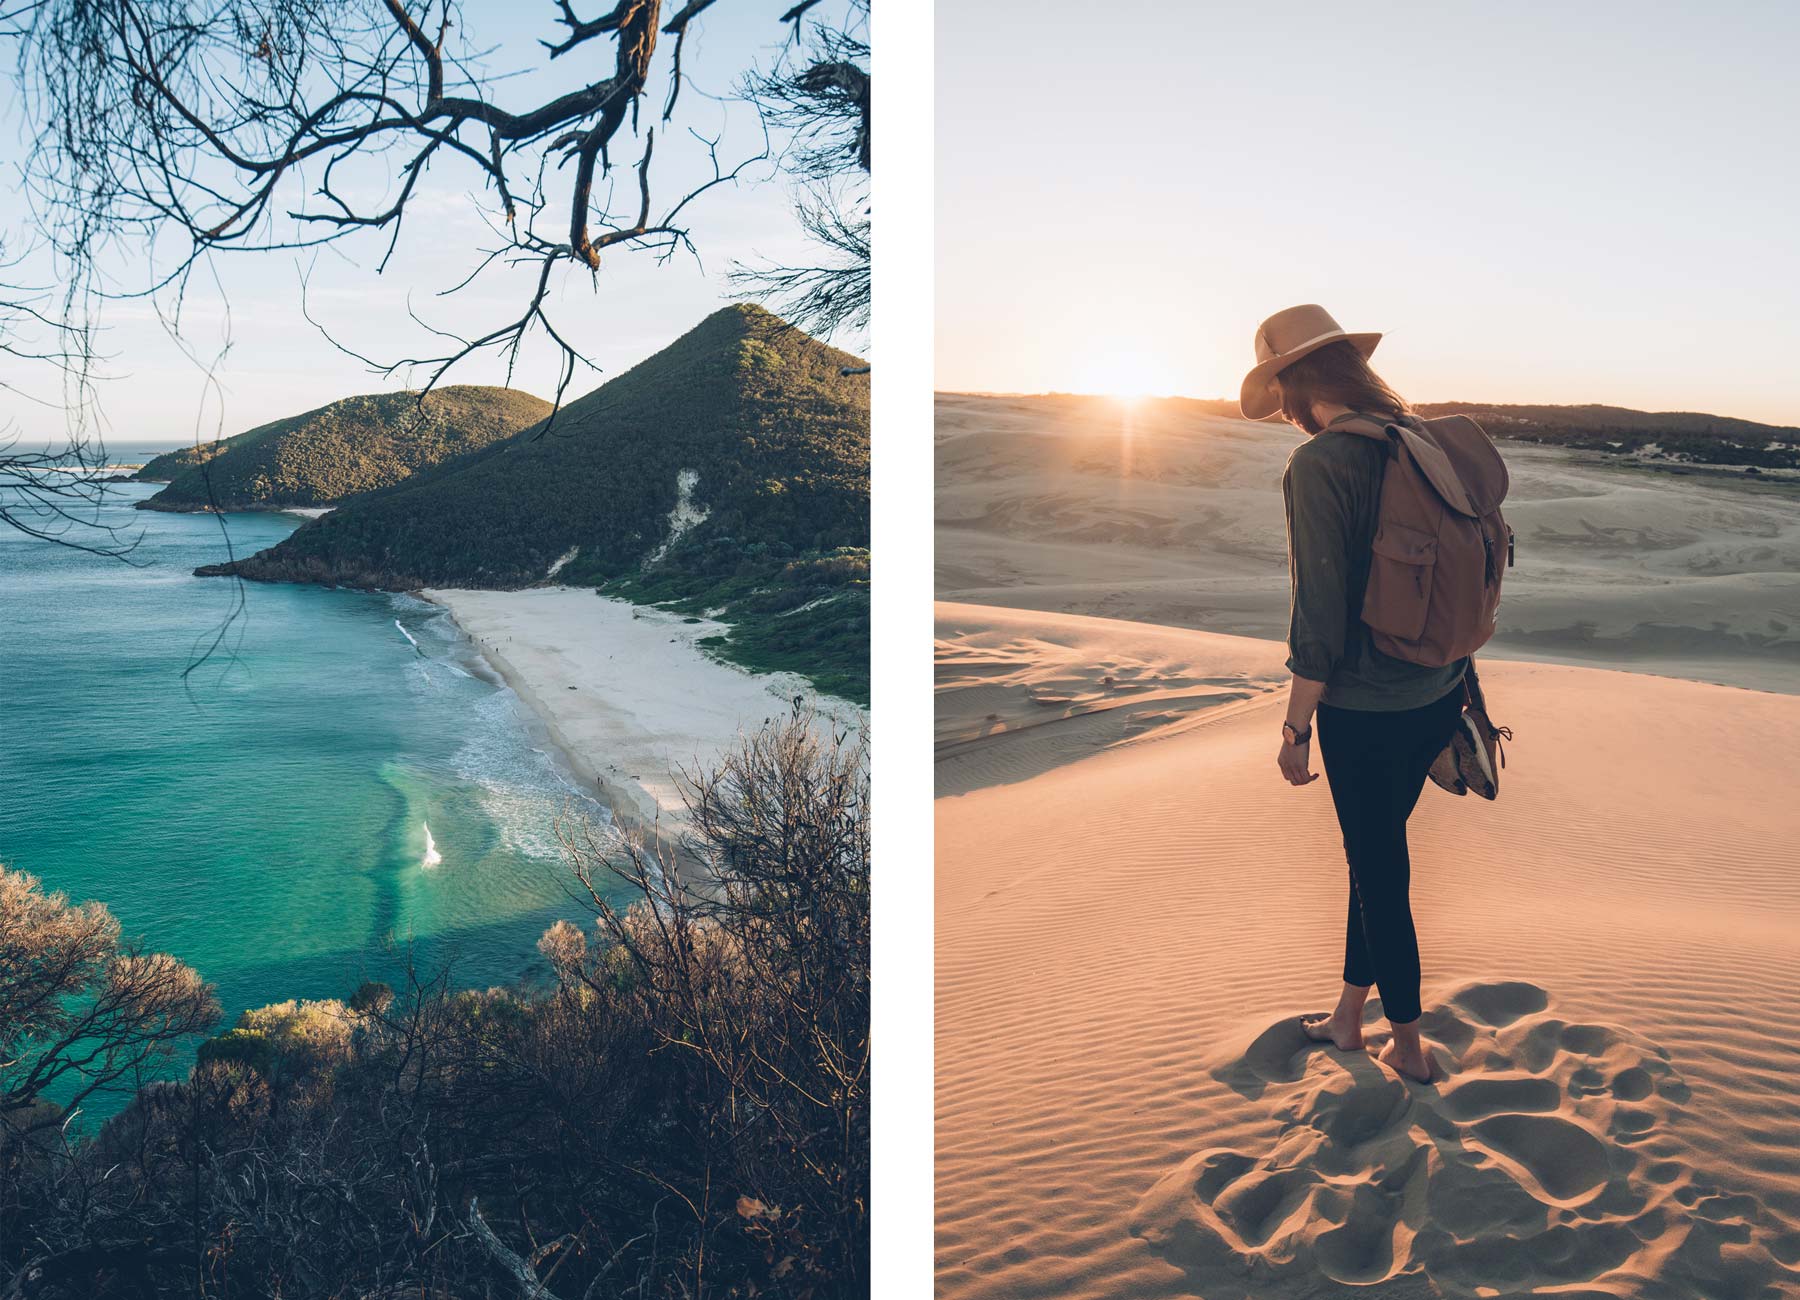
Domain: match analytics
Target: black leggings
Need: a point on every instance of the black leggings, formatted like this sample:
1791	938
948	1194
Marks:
1376	764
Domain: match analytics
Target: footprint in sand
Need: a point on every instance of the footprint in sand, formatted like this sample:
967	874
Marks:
1547	1162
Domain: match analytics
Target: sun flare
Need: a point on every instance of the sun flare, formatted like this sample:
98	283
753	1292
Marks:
1127	376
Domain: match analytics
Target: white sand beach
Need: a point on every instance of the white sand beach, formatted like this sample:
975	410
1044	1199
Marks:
624	690
1133	908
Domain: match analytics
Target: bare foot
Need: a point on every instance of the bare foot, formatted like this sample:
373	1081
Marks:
1341	1034
1414	1064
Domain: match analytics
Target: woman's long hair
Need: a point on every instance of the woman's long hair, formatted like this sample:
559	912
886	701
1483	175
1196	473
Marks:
1338	373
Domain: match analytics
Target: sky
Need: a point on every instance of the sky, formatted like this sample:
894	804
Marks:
1536	202
242	320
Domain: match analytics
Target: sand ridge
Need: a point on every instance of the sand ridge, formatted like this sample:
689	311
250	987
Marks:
1017	695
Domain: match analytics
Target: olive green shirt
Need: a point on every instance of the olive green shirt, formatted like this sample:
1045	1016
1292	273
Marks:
1332	490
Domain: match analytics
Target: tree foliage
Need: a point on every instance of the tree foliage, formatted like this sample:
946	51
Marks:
80	1009
819	97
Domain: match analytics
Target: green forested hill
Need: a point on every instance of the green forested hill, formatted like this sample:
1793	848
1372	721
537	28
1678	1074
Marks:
354	445
161	469
729	471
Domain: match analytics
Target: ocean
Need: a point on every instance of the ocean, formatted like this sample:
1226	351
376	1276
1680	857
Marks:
338	780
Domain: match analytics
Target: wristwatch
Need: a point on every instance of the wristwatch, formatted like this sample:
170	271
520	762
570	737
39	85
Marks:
1294	737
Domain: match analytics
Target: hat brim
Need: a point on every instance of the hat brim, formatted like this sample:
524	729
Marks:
1260	397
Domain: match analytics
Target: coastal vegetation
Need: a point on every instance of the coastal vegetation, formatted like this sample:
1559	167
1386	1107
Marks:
807	614
676	1104
727	474
352	445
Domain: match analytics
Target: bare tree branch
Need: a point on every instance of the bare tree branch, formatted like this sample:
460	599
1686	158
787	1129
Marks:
817	95
297	123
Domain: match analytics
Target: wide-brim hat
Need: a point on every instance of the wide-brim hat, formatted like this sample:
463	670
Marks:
1282	340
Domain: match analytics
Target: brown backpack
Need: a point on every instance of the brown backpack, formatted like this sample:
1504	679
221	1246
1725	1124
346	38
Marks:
1441	544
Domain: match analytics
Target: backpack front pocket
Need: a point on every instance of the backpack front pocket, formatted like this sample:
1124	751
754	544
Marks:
1398	596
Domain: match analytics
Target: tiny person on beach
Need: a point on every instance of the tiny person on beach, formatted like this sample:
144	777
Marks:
1381	720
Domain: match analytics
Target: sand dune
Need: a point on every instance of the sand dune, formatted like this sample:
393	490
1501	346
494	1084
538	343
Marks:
1132	908
1019	694
1160	514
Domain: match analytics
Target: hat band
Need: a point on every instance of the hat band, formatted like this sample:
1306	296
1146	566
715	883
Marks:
1317	338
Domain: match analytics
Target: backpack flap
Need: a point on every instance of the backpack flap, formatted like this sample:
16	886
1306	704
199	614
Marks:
1460	462
1453	454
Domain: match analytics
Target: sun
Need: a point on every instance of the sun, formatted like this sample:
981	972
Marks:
1125	374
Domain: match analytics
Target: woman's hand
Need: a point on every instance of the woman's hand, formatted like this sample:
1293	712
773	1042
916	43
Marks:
1304	696
1294	761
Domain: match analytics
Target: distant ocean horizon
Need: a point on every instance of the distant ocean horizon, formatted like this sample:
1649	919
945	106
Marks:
335	778
114	446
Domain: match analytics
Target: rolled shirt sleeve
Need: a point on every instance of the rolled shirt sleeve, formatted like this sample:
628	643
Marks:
1319	522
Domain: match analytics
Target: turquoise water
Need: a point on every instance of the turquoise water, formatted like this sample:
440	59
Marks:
266	820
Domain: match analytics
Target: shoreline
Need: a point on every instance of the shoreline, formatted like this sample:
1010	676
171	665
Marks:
258	508
623	692
625	802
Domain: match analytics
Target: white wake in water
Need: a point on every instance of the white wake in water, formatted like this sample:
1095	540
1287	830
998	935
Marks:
432	856
407	635
522	789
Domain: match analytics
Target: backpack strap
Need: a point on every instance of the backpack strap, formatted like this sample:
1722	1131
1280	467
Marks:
1363	426
1391	434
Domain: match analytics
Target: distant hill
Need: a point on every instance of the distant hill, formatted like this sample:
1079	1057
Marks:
354	445
1665	435
163	467
730	472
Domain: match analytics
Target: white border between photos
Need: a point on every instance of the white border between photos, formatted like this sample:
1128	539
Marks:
901	663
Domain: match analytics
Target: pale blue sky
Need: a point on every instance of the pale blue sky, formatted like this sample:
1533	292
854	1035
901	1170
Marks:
1550	202
277	364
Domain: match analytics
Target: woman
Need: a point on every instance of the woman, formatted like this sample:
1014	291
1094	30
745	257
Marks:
1381	720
